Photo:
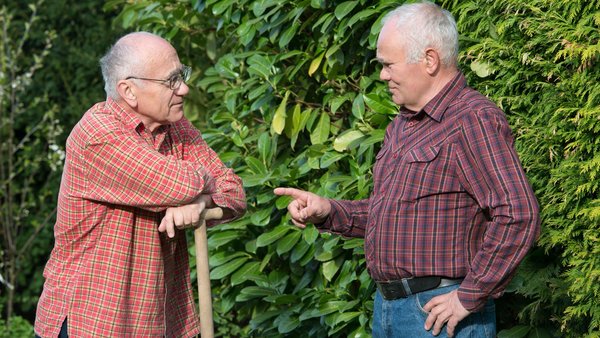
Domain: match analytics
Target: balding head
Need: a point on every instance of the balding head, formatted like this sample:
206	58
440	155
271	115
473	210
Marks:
424	25
131	55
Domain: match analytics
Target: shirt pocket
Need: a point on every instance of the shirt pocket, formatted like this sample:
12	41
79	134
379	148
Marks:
426	171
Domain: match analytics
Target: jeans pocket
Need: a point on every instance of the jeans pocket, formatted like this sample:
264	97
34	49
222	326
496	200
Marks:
420	301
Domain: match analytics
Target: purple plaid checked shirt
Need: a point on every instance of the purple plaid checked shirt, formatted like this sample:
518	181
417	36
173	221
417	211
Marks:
450	198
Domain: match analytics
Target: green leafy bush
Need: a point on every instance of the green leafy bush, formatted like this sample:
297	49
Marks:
49	76
19	327
288	94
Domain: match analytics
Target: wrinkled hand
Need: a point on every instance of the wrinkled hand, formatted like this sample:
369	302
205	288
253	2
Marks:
444	309
184	216
306	206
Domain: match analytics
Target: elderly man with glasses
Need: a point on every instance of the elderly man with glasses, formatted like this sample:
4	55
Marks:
136	173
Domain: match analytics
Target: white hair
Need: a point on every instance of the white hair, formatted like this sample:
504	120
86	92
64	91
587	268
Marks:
122	60
426	25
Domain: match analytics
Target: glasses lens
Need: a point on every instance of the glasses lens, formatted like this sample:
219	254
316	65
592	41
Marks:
186	73
178	79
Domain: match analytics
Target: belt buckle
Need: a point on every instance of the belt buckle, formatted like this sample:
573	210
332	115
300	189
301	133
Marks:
392	290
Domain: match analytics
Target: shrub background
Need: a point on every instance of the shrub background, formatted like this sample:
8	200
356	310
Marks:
288	93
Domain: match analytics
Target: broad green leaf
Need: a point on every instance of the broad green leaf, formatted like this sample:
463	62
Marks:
337	101
280	115
221	258
299	251
358	107
288	35
211	46
481	68
252	180
250	271
330	268
341	142
323	255
261	217
344	8
321	132
288	324
300	118
251	292
282	299
273	235
255	165
323	309
329	158
380	106
259	65
519	331
361	16
265	147
288	242
310	234
282	202
218	239
345	316
308	256
228	268
314	65
221	6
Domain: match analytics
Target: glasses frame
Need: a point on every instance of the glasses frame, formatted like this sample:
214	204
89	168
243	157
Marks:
173	82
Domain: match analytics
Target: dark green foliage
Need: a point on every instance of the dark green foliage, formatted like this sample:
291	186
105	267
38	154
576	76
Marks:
50	76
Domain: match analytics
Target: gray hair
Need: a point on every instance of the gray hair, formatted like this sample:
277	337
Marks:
121	60
426	25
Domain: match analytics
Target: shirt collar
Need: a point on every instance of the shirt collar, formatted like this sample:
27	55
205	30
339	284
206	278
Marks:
436	107
128	118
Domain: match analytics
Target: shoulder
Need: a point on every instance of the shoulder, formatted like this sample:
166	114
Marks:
184	130
97	124
472	105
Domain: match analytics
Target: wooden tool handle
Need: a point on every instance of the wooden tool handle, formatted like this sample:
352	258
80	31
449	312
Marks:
203	273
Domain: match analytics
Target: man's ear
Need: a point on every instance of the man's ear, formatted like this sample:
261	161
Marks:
432	61
127	92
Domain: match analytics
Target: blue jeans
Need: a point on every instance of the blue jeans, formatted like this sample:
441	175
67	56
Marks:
405	317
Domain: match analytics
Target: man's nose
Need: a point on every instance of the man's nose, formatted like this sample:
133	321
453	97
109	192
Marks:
384	74
183	89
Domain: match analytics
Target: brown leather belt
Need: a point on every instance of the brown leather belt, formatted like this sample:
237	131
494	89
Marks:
405	287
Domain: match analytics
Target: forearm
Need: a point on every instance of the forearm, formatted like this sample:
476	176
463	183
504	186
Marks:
347	218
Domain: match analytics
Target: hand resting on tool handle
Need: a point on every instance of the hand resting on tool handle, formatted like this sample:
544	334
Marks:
185	216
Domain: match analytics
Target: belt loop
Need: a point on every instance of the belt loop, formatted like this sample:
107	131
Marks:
406	287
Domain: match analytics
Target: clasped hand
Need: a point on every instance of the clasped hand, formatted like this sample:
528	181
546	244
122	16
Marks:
185	216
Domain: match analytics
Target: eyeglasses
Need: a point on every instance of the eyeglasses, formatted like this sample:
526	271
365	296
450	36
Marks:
174	81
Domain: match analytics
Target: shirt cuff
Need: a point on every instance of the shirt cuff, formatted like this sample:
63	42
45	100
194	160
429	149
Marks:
470	298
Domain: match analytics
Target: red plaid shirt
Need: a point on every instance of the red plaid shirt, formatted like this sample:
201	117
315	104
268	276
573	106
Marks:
111	273
450	198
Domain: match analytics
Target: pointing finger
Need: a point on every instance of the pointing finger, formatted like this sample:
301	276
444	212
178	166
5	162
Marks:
292	192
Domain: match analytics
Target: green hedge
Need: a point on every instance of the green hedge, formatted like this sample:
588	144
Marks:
49	76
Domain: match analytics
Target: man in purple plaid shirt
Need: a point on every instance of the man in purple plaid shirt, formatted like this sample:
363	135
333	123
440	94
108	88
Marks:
451	214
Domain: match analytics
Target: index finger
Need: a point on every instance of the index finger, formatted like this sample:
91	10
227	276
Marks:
292	192
433	302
